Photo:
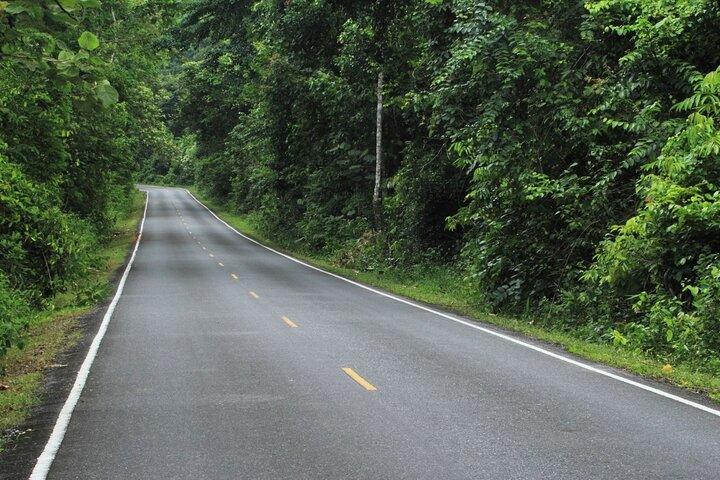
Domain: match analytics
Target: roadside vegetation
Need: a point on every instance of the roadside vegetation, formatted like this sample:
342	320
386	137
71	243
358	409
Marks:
56	328
551	167
553	164
79	109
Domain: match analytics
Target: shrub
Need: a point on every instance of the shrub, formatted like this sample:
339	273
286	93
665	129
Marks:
14	316
41	247
666	259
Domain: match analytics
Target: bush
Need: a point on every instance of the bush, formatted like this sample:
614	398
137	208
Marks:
14	316
666	259
41	247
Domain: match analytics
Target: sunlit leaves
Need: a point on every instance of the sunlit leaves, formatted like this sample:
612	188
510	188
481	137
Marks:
89	41
38	43
666	250
706	99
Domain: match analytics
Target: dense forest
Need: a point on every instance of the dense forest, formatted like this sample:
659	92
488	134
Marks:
79	108
560	158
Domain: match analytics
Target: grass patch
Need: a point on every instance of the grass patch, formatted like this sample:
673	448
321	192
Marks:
56	330
446	289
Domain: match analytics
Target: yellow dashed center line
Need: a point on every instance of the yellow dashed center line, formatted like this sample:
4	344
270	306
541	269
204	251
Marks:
289	322
254	295
360	380
234	276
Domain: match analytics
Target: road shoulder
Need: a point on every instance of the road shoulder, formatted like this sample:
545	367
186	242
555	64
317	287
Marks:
41	375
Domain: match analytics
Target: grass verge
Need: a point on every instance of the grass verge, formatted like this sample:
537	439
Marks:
54	331
448	291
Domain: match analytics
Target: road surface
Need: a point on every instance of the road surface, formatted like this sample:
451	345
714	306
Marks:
224	360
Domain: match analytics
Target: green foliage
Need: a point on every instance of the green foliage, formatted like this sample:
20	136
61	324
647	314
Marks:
40	245
42	250
88	41
181	170
36	36
517	137
73	130
666	258
14	316
106	93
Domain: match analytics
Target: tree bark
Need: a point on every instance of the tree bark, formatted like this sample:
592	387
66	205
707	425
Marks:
379	167
112	56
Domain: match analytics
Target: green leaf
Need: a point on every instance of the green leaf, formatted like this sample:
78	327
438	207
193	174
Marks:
88	41
66	56
68	5
14	8
692	289
106	93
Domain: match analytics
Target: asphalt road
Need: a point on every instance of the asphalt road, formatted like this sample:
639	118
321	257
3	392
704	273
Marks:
224	360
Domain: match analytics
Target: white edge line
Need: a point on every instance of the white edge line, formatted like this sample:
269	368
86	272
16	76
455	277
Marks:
508	338
44	462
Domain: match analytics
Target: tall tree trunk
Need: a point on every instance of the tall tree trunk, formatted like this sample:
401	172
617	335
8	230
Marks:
112	56
379	167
